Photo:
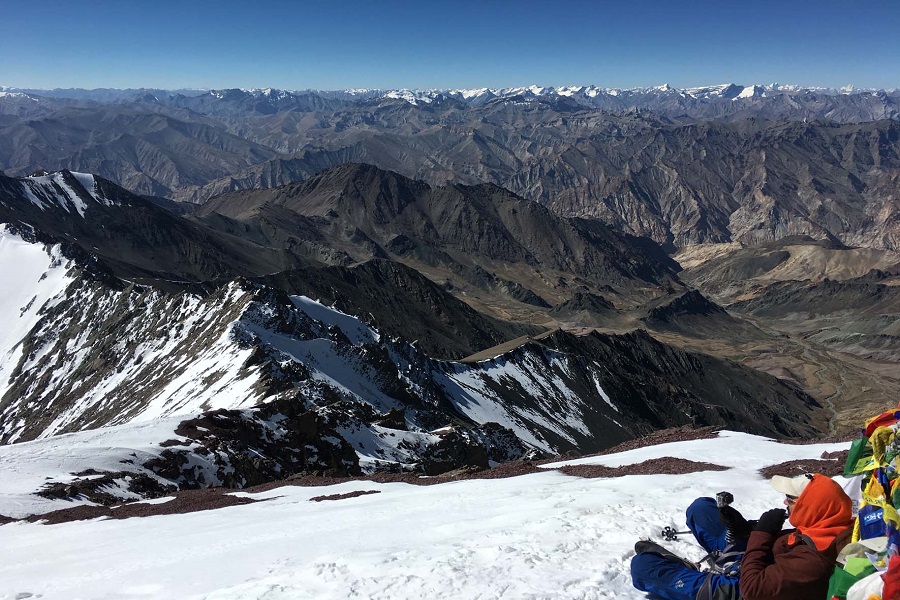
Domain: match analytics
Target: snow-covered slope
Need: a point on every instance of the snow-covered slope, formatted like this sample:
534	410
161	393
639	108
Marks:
28	467
100	356
546	535
85	355
73	192
30	276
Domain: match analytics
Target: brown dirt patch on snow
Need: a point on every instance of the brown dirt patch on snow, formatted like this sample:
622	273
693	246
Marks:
833	439
664	436
666	465
344	496
184	502
830	464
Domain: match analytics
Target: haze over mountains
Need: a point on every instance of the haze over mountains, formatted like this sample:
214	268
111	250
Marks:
680	166
371	281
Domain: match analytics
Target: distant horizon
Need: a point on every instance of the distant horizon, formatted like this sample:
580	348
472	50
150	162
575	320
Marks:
331	45
780	85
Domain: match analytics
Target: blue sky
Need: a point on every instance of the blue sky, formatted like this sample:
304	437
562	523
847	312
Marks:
388	44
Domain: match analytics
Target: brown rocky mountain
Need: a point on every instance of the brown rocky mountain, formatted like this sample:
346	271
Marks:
479	237
404	304
750	181
679	184
345	317
130	236
101	349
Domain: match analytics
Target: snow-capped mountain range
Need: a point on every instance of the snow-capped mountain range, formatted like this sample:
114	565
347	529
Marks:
591	95
586	94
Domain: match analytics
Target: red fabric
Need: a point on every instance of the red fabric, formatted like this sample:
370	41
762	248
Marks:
882	420
891	579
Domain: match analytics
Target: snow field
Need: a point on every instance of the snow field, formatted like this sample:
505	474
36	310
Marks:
545	535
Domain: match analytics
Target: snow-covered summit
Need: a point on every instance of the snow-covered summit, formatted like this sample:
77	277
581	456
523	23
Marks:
590	96
413	96
5	94
64	189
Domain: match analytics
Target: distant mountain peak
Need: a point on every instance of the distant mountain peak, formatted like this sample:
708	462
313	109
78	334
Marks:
63	189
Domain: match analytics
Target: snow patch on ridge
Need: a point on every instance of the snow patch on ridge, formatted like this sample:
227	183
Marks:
377	446
31	276
45	191
355	330
546	402
329	364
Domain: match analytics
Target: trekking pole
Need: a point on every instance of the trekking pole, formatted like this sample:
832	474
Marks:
669	533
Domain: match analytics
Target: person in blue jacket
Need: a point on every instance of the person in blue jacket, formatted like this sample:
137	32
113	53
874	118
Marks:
656	570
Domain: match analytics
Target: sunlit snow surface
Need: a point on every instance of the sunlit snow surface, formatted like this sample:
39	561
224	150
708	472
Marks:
30	275
545	535
26	467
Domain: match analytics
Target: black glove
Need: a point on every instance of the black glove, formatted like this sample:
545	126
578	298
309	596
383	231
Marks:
771	521
738	527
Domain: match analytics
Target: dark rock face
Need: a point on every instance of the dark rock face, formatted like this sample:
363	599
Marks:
134	238
582	300
361	211
585	309
694	315
689	388
404	304
692	303
274	441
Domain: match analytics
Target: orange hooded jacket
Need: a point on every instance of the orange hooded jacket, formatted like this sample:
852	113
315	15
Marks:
786	567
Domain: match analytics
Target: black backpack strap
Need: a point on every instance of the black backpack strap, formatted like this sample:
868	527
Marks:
726	591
